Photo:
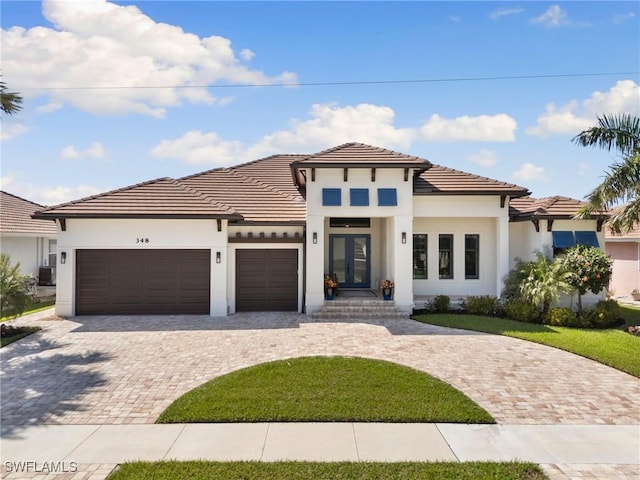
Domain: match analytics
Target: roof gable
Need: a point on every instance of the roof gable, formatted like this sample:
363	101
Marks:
15	216
528	208
359	154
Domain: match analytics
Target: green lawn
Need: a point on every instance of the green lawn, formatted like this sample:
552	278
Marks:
23	332
612	347
197	470
33	308
325	389
631	315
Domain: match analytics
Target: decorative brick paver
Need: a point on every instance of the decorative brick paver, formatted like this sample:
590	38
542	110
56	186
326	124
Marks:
118	370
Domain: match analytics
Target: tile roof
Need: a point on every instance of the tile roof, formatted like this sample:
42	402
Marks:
163	197
360	153
527	208
261	191
15	216
633	234
444	180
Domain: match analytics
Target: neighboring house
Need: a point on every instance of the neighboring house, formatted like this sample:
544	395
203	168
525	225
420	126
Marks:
624	250
262	235
27	241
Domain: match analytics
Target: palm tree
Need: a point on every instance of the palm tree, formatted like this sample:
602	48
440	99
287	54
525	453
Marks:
10	102
622	182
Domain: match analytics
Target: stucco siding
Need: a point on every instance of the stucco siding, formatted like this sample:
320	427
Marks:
626	267
458	285
30	251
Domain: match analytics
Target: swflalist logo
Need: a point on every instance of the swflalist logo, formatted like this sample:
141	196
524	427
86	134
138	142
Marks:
41	467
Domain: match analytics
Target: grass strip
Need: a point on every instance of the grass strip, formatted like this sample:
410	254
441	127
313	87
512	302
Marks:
196	470
325	389
23	332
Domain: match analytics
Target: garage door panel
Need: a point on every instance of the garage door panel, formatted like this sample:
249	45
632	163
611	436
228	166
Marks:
142	281
267	280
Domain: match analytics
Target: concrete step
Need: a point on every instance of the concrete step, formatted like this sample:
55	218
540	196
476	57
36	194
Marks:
358	315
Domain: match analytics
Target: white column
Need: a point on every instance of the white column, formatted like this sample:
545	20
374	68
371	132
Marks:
315	263
65	279
502	252
402	270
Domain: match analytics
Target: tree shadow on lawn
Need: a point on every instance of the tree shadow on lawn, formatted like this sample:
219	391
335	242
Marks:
39	386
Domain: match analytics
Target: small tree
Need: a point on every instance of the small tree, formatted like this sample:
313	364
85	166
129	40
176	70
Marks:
588	269
543	281
13	294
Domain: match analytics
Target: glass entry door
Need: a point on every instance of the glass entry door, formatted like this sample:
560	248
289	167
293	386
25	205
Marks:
349	260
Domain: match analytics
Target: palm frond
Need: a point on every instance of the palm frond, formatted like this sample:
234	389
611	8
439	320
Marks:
620	132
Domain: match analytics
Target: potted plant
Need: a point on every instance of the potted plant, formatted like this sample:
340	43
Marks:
330	285
636	295
387	289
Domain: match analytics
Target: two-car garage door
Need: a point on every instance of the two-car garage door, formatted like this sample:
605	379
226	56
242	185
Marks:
119	282
143	282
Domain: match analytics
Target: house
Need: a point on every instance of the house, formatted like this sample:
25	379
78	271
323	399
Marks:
624	250
30	242
262	235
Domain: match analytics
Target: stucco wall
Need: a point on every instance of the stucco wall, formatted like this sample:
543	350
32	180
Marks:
123	233
626	267
31	252
433	227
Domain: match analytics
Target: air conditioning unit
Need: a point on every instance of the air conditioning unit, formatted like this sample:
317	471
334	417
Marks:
47	276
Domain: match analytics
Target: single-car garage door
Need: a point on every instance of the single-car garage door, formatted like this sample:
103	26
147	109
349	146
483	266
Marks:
142	282
267	280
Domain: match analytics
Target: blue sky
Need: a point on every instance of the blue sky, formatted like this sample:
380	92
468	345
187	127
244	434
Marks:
118	93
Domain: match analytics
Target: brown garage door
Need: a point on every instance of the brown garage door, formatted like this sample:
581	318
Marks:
142	281
267	280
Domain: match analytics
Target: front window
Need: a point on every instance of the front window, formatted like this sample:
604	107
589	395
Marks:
420	256
445	256
53	249
471	257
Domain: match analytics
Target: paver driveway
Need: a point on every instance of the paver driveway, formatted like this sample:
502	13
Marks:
95	370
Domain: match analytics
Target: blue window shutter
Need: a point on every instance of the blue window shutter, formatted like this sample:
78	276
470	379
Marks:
563	239
387	197
331	197
359	197
590	239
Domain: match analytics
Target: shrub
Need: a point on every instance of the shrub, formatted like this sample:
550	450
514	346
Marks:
513	280
606	313
522	311
439	304
13	293
565	317
483	305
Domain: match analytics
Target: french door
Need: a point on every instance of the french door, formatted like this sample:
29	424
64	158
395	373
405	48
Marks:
349	259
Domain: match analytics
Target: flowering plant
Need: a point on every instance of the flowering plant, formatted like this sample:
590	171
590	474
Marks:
386	284
330	282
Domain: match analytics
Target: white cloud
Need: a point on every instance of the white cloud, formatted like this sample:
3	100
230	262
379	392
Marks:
95	150
49	107
330	125
528	171
503	12
247	54
584	168
623	18
12	130
198	148
484	158
483	128
574	117
47	195
95	43
554	16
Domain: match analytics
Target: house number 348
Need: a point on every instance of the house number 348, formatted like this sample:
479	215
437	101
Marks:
142	240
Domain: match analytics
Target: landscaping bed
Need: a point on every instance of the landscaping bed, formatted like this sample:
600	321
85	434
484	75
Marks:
9	333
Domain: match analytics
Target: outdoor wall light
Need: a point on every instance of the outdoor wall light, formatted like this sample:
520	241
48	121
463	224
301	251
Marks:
404	237
63	257
315	238
218	257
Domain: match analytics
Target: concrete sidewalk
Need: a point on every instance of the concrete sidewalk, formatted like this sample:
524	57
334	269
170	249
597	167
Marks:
112	444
